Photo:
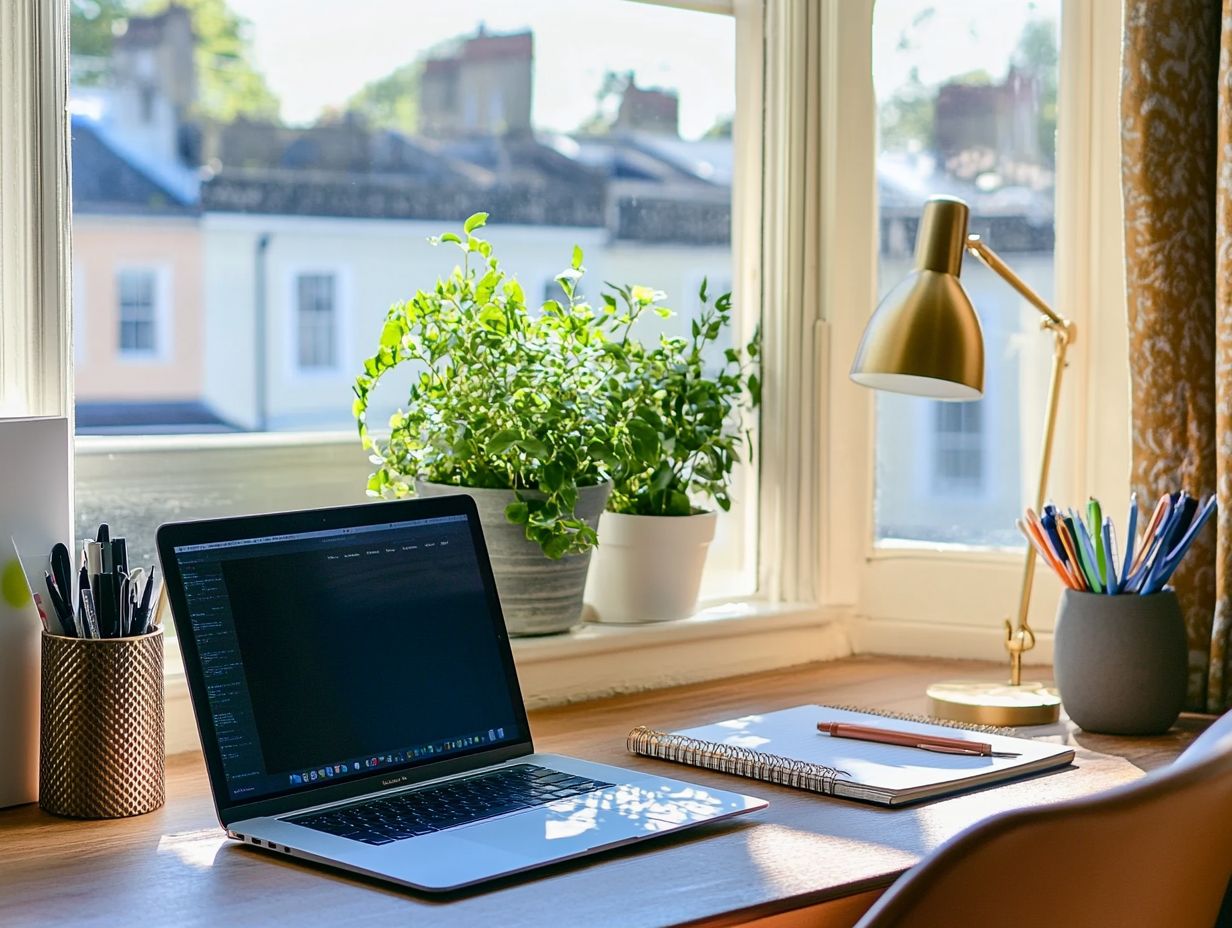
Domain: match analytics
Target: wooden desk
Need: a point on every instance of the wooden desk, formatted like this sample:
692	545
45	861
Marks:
174	867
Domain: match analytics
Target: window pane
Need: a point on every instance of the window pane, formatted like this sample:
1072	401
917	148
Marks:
290	193
315	318
967	106
136	311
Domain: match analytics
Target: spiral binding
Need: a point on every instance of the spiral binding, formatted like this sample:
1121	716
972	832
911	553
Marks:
769	768
727	758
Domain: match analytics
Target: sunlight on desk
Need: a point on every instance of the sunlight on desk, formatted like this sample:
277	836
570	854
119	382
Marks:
784	855
194	848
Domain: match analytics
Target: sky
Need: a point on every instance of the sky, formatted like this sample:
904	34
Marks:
327	50
957	37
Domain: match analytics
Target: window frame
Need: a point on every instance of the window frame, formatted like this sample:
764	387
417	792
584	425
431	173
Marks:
741	636
949	600
815	495
340	312
160	313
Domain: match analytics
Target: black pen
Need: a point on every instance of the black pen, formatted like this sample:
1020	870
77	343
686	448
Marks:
119	566
64	613
106	599
141	621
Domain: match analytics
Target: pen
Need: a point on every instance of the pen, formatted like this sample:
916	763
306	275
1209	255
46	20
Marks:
89	616
64	614
1096	517
1111	584
1131	520
141	621
906	739
38	604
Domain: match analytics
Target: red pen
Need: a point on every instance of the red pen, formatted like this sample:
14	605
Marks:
907	739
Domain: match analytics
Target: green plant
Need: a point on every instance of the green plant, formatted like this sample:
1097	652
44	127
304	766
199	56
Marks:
684	421
500	397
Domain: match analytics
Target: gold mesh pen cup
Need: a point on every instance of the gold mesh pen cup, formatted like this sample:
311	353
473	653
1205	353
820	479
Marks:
102	743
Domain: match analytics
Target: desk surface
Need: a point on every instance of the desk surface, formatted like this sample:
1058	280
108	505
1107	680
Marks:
174	867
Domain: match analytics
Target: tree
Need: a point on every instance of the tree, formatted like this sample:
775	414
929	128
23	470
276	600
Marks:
722	129
607	104
92	25
908	118
392	101
228	83
1037	53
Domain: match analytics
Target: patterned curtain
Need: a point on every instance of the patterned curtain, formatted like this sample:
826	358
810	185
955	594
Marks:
1176	174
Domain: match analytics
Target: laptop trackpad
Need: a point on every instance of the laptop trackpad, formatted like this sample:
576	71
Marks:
575	825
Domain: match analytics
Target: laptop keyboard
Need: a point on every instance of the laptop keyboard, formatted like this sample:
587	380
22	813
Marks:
449	804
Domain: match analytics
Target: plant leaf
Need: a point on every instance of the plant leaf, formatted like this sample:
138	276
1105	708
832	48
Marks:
502	441
473	222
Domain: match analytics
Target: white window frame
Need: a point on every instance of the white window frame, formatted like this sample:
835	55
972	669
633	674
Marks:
738	636
804	244
947	600
342	320
162	315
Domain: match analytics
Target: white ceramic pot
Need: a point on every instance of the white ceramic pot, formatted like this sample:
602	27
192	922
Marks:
648	568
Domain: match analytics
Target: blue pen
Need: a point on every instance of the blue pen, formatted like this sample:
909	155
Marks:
1049	521
1087	552
1131	534
1150	546
1173	559
1110	576
1170	539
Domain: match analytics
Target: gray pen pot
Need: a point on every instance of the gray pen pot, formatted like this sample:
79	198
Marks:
1121	662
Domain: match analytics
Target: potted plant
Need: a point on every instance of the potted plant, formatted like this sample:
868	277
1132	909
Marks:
685	433
506	404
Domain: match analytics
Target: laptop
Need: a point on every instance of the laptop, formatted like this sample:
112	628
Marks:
358	703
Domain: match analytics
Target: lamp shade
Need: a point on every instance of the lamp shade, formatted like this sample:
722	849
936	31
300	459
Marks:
925	337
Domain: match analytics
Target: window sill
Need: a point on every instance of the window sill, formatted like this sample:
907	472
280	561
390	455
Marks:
602	660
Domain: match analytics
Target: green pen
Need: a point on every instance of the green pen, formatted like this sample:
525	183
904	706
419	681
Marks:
1072	523
1096	517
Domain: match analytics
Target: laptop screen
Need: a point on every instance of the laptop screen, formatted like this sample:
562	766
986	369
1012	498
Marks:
334	653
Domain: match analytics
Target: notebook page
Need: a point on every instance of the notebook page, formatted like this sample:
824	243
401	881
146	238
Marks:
792	733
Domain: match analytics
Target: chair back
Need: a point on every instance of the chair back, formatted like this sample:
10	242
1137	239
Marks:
1156	852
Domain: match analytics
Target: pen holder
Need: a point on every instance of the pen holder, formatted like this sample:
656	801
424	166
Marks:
102	744
1121	662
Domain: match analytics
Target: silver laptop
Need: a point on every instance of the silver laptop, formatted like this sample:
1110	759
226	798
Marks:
358	702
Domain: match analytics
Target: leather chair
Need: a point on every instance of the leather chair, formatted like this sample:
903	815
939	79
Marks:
1156	852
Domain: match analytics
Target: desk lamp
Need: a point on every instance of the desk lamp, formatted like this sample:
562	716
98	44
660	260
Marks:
924	339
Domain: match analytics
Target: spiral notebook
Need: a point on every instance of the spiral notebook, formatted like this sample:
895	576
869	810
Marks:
785	748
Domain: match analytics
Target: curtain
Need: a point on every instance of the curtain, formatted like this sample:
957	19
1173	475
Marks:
1176	107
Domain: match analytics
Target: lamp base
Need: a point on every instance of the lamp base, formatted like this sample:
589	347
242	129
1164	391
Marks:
1001	704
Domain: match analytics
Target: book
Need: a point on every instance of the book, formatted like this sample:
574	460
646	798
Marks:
34	515
785	748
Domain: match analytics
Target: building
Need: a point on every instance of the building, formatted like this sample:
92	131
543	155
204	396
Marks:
137	293
483	87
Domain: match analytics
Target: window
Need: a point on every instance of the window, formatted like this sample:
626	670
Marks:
967	106
913	598
958	449
930	571
316	311
137	311
290	206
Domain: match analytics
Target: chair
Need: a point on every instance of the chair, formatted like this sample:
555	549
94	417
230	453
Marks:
1156	852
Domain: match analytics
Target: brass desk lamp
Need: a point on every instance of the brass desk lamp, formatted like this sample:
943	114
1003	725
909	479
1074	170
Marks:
925	339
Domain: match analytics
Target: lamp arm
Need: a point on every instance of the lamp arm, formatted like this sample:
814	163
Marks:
976	246
1020	638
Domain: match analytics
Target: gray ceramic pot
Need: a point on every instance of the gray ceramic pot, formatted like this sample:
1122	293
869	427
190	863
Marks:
538	595
1121	662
